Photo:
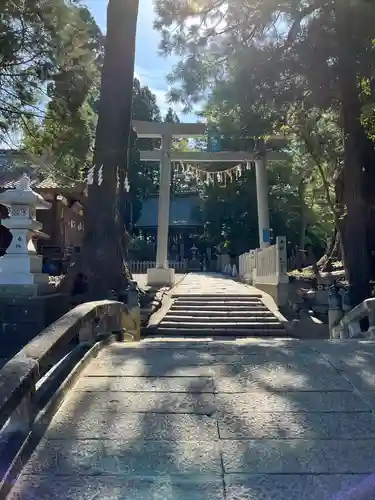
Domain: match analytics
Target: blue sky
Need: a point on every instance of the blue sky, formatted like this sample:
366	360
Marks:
150	68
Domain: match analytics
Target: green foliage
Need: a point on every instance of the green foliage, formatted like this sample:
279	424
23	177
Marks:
50	60
25	58
272	43
145	107
299	67
143	176
171	116
37	43
230	212
141	249
368	107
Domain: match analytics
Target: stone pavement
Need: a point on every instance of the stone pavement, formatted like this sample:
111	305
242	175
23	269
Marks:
209	283
246	420
141	279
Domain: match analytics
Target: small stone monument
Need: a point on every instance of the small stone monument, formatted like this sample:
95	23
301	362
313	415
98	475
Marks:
21	266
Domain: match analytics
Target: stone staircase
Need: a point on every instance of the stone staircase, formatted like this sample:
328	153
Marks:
197	315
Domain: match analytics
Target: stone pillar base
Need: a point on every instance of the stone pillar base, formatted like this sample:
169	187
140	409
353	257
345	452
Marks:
131	322
160	277
248	279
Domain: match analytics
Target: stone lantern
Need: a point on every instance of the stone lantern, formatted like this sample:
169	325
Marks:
21	266
194	250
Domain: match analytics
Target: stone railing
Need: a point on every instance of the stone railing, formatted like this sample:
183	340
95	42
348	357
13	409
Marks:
247	264
266	266
349	326
266	269
34	382
140	267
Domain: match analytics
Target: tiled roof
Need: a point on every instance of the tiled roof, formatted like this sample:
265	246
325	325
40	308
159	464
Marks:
10	181
184	212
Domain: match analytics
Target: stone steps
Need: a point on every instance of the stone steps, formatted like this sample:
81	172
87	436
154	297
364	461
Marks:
218	296
231	324
219	315
229	313
218	332
214	307
226	303
220	319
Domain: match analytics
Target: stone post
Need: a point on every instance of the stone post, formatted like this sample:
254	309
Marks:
134	326
334	311
162	275
281	259
262	200
282	278
21	266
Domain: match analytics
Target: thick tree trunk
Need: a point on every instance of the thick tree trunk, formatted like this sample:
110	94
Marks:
352	226
104	229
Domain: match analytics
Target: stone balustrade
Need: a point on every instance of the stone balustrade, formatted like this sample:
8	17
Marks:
247	265
349	327
266	269
34	382
266	266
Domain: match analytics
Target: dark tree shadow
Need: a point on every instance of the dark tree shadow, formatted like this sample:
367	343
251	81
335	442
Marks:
188	420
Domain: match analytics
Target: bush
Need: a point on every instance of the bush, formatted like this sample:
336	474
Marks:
141	249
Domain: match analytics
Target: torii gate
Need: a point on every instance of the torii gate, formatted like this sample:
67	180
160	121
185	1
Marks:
162	274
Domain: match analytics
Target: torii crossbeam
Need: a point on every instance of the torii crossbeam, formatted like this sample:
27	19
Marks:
162	275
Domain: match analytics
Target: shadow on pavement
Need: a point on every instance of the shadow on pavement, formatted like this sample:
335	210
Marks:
264	420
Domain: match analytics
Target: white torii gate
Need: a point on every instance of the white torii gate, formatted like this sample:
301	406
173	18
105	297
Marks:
162	274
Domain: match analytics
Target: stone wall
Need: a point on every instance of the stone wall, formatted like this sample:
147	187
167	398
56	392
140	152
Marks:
21	319
279	292
310	294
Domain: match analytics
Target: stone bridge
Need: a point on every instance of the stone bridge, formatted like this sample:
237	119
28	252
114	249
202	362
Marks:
252	419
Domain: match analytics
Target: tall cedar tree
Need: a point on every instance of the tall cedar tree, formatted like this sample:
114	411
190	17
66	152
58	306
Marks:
104	229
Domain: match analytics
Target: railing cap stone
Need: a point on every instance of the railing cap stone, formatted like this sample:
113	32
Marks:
21	373
17	377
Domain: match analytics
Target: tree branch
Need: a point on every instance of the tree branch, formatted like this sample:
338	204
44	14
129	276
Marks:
300	16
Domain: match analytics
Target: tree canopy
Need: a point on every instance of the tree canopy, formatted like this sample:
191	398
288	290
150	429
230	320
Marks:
50	62
303	68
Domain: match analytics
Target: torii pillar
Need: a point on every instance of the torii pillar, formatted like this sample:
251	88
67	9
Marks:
162	274
262	200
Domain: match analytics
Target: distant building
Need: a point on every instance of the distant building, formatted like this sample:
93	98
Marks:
185	222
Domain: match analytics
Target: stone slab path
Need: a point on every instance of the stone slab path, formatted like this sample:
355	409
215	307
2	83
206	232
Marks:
246	420
211	283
